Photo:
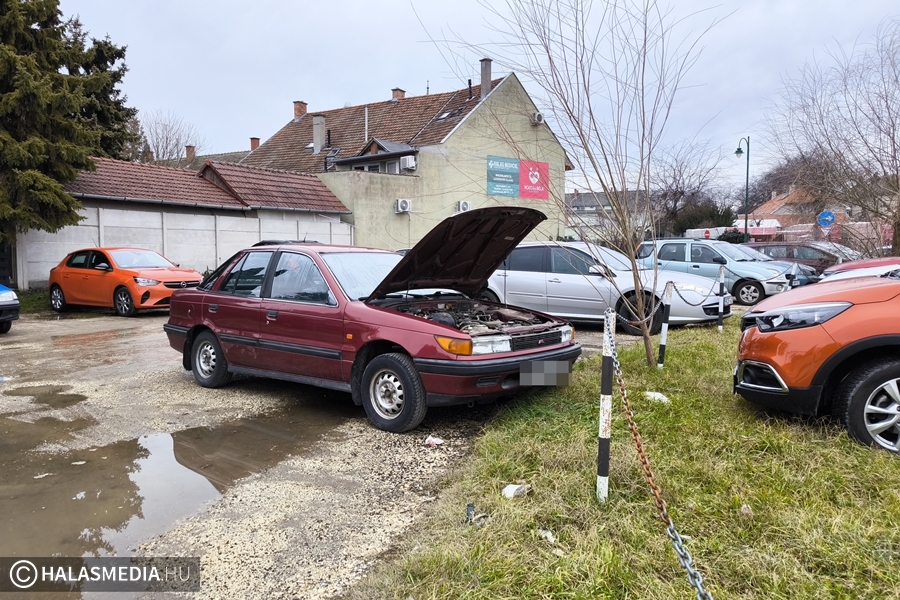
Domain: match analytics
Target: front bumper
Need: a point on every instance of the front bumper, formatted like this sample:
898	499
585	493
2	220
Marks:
761	384
775	286
9	311
451	382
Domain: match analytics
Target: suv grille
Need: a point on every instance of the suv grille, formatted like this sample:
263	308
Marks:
533	340
747	321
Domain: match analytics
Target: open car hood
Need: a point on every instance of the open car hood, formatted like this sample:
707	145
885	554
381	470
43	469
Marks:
462	251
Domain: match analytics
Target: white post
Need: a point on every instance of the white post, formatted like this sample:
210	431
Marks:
606	377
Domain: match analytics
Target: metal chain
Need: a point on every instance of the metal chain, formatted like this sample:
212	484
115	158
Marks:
712	292
644	320
684	557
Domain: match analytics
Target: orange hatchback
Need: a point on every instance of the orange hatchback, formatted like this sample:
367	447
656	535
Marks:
828	348
126	279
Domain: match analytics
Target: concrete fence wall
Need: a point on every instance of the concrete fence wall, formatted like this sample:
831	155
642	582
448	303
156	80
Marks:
195	240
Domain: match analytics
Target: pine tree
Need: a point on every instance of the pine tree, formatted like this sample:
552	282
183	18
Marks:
58	107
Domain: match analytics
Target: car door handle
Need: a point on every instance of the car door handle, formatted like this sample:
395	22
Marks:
213	308
554	281
695	266
271	314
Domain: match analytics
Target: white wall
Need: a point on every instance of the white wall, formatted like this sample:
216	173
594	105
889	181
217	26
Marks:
197	240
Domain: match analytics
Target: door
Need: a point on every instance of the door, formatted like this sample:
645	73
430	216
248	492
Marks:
98	281
525	277
234	309
572	290
301	329
703	261
672	256
72	277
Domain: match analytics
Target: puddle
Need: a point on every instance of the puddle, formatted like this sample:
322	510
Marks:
51	395
106	501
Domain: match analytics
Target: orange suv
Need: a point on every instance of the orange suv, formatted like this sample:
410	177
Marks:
830	347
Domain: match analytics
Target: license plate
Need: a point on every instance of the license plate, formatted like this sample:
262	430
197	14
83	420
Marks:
544	373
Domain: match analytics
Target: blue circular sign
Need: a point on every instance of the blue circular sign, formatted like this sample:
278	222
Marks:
825	218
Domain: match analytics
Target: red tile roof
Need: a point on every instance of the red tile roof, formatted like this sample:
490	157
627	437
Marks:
137	181
275	189
414	121
219	185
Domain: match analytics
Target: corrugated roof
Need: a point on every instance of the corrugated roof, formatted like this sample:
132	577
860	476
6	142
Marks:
277	189
414	121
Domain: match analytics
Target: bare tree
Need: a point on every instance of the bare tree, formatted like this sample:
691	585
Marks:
168	135
684	176
846	119
609	73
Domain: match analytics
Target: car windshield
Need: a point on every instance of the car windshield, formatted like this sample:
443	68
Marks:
753	254
735	252
359	272
842	251
140	259
611	258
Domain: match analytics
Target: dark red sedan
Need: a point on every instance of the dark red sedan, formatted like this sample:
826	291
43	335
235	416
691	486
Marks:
399	333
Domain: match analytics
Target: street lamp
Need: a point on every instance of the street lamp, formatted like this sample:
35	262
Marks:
738	153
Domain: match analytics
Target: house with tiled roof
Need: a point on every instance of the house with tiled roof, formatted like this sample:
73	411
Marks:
402	165
195	218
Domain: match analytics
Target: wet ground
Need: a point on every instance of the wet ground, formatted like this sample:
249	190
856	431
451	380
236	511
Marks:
108	448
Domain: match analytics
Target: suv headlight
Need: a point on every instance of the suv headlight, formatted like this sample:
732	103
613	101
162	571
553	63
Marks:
8	296
798	316
144	282
489	344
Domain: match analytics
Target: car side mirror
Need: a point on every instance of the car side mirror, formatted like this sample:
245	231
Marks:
600	270
720	260
103	267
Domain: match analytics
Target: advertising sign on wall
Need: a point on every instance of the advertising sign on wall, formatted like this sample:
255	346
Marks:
514	178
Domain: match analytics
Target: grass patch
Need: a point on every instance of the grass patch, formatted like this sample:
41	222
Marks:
770	505
34	301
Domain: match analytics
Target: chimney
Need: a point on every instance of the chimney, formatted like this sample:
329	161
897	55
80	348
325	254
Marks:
190	153
398	94
318	133
774	193
485	77
299	108
254	143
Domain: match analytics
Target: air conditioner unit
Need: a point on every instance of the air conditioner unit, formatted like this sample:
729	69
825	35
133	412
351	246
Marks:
463	206
537	118
402	206
408	162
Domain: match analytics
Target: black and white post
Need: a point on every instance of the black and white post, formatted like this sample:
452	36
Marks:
606	381
721	296
664	333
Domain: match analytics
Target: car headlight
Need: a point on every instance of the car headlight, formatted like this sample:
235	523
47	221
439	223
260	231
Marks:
798	316
144	282
489	344
568	333
8	296
693	287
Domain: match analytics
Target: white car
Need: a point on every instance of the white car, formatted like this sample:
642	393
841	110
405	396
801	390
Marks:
864	272
579	281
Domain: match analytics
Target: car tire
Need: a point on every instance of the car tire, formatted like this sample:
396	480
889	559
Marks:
867	403
123	302
5	326
392	393
625	315
57	299
489	296
208	362
748	293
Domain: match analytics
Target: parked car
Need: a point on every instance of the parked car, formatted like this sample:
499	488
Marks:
399	333
804	273
861	264
749	281
818	254
9	308
833	347
879	271
126	279
579	281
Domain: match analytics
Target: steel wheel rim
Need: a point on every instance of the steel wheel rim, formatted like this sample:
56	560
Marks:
123	301
749	294
206	360
882	415
387	394
56	298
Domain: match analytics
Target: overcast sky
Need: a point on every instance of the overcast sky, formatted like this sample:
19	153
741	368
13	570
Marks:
232	68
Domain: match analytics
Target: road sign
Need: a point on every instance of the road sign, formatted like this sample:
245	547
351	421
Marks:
706	234
825	218
825	231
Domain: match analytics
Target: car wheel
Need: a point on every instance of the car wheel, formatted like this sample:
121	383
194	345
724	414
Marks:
208	362
748	292
392	393
57	299
123	302
868	404
5	326
488	296
625	315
